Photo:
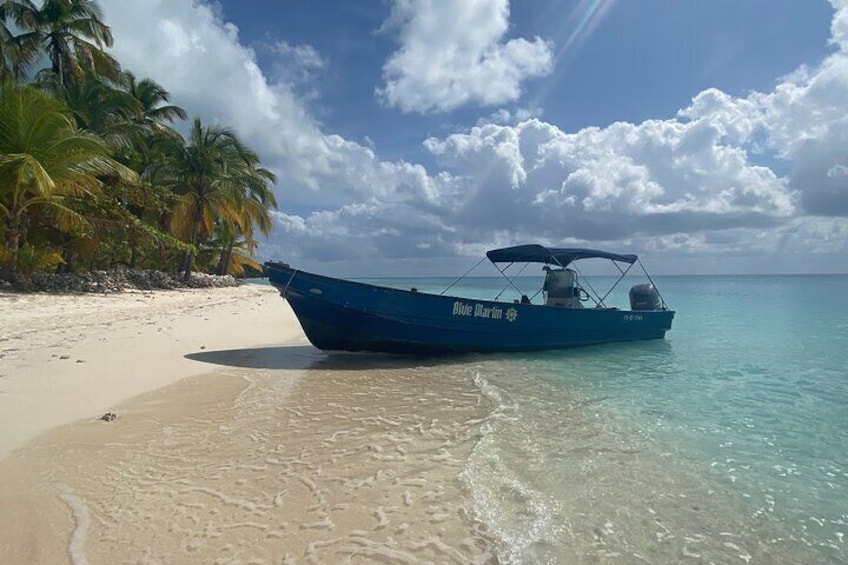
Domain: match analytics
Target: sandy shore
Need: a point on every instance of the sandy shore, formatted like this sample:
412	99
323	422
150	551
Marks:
269	451
69	357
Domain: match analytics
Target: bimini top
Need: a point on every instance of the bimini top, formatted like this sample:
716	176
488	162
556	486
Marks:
552	255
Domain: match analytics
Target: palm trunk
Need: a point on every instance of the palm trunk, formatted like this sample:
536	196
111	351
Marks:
132	240
223	266
188	258
163	250
11	239
228	258
13	235
56	60
67	255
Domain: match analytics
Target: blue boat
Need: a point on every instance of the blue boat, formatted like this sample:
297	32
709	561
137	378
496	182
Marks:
344	315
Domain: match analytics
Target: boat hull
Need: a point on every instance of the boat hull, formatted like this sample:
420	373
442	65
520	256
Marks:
343	315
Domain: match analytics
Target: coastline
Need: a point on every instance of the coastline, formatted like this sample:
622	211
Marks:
261	453
282	453
65	358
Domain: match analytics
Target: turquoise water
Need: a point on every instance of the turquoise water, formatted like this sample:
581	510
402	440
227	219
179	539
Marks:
726	442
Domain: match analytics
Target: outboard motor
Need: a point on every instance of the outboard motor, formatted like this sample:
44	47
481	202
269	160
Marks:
645	297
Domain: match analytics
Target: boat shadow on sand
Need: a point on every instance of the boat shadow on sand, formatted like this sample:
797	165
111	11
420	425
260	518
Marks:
306	357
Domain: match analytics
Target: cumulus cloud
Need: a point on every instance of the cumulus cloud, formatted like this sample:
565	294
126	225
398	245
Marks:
656	177
294	64
839	27
702	181
803	122
454	52
533	181
187	47
695	181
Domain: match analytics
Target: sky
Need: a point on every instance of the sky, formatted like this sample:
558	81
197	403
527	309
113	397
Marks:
410	136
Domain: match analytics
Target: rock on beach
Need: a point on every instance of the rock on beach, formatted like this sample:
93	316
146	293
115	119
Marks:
124	279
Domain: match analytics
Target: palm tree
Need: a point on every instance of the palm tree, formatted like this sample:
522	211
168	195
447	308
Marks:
151	108
230	252
98	107
6	46
252	207
145	118
72	35
130	116
12	58
218	180
45	163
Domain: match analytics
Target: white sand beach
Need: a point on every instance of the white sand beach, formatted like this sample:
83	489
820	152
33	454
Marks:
236	441
68	357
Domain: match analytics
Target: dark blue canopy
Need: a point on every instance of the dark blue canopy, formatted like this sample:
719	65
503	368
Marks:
552	255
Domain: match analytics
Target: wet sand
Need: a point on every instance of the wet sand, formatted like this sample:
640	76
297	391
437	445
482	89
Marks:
230	446
283	455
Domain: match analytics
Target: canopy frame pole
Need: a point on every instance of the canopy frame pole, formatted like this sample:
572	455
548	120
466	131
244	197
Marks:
621	278
644	270
555	260
462	277
509	280
583	278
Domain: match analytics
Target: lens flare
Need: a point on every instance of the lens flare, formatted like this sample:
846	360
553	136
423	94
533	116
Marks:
584	20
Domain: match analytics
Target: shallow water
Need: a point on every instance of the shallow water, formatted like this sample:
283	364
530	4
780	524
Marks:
286	457
724	443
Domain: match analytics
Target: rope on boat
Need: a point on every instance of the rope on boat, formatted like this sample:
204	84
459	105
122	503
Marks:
291	278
